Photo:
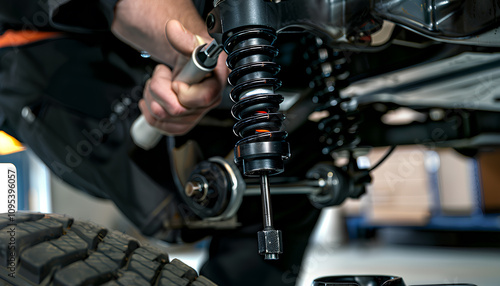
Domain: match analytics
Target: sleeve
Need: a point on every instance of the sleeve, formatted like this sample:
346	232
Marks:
79	16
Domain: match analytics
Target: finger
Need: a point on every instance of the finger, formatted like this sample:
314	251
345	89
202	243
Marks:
157	112
172	125
151	101
159	92
191	115
181	39
206	93
151	107
199	95
162	100
145	110
178	98
153	119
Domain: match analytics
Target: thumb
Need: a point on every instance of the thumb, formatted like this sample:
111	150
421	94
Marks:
181	39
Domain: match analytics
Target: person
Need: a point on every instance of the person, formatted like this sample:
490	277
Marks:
80	66
74	77
171	106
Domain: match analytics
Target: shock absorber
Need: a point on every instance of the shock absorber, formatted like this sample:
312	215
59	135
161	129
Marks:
263	148
246	29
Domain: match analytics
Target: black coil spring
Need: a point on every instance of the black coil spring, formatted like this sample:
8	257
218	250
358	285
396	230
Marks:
328	73
327	70
250	57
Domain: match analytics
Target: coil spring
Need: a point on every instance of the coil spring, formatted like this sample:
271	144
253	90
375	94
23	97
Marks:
327	70
250	57
328	75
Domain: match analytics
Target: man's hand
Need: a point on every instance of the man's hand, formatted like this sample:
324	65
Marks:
171	106
175	107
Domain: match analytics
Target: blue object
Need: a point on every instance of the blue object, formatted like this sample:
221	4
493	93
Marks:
21	161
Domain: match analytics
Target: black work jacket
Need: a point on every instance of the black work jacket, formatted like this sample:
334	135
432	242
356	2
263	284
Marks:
72	100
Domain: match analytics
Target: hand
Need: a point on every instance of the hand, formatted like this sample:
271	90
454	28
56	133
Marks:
175	107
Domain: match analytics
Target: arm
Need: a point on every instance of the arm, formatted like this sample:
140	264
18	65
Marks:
142	25
170	30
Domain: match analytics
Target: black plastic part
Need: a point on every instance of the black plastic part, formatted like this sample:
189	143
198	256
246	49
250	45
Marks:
54	250
452	284
371	280
258	157
362	280
250	13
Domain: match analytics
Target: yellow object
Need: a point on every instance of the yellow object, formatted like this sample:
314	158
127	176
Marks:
9	144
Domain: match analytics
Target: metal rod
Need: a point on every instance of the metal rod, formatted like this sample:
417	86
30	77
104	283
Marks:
301	187
266	201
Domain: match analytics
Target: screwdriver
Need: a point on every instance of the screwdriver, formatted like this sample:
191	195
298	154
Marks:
203	60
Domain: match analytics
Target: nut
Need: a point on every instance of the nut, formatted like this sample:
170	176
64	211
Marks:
270	243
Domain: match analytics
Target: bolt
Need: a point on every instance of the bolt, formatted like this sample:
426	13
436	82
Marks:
195	190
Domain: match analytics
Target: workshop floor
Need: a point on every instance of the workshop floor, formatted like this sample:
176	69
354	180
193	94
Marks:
417	265
325	256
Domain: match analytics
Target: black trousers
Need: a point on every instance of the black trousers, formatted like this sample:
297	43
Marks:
233	258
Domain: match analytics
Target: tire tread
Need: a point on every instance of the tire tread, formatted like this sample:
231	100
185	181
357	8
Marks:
55	250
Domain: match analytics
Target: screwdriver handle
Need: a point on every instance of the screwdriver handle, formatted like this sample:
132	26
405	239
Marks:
146	136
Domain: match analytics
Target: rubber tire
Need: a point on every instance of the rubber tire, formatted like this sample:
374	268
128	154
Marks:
53	249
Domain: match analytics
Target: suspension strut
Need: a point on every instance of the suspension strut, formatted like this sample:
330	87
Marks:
262	149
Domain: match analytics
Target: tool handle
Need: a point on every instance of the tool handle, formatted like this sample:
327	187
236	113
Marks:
193	72
147	136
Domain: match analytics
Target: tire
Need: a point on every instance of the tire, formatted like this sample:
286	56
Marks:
50	249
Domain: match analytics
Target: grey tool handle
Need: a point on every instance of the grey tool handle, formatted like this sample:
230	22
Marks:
194	71
146	136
